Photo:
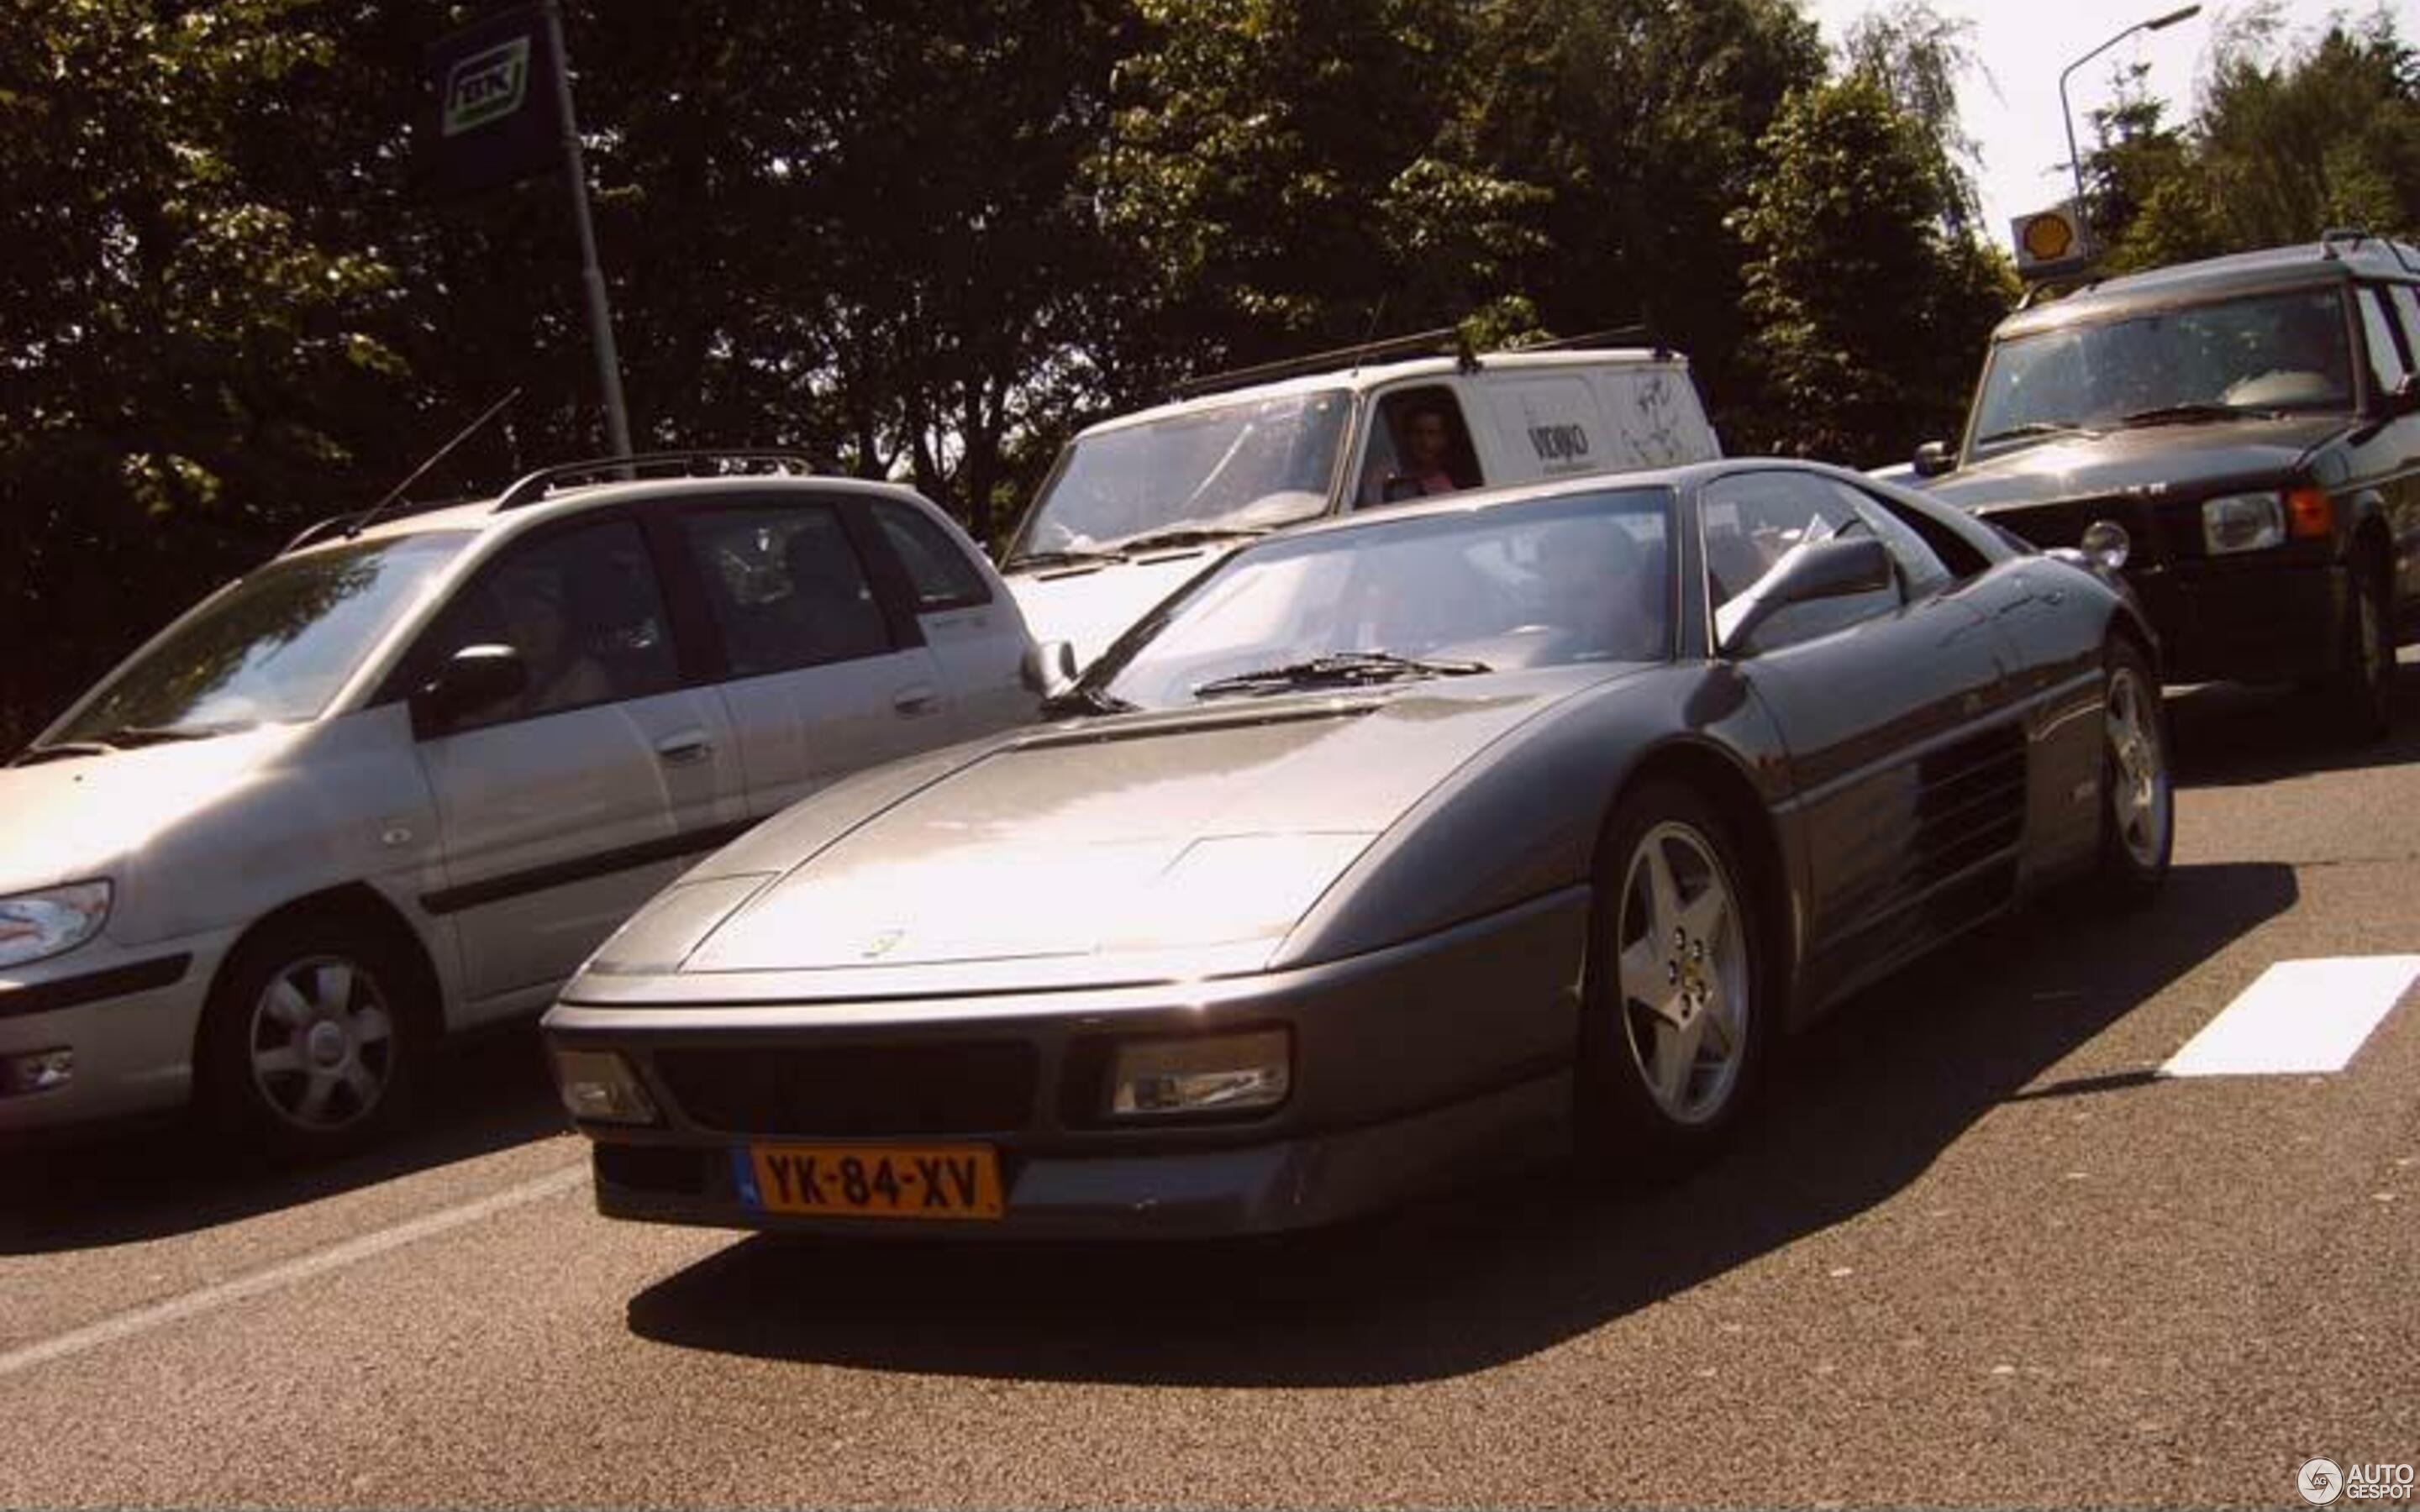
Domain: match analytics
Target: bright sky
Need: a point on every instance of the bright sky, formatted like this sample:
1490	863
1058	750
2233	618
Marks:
2024	44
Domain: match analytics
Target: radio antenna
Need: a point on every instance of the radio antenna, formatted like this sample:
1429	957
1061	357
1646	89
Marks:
368	516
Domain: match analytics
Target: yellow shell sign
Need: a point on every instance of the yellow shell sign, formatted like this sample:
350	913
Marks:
2049	241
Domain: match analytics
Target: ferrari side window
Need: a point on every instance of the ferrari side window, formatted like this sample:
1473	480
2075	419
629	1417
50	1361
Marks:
1753	521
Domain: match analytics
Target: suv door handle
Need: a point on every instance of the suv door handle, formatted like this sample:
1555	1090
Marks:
683	749
908	702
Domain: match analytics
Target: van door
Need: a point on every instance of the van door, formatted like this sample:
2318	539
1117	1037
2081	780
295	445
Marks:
1653	417
1548	425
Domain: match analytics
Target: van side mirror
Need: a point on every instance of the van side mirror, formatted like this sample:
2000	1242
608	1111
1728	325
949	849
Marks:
1050	667
473	678
1933	459
1833	568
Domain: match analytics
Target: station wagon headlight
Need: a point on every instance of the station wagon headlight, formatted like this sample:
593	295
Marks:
35	926
2242	522
1207	1074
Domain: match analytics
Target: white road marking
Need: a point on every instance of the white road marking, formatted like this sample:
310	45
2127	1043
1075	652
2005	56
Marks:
2301	1016
301	1268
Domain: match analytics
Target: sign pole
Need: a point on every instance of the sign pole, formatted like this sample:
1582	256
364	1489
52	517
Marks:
600	314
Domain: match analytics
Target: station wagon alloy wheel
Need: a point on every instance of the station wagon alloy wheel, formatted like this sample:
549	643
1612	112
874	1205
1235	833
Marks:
322	1043
1683	973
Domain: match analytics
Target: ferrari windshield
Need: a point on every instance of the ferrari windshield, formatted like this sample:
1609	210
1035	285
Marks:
274	647
1570	578
2254	355
1245	467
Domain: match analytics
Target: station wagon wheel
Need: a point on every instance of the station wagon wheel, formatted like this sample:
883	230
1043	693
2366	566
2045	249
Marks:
2138	789
1674	1023
306	1048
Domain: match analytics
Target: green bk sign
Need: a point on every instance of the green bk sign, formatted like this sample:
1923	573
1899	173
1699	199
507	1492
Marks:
485	86
491	118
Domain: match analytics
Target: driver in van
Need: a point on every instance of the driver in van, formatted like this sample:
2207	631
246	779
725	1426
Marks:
1424	445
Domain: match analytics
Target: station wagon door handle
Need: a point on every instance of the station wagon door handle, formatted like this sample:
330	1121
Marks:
683	749
912	702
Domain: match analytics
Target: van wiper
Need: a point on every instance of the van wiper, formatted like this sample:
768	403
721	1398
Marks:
2185	414
2037	427
1336	668
62	750
1059	558
1188	535
128	736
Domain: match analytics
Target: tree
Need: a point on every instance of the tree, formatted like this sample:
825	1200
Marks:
1869	314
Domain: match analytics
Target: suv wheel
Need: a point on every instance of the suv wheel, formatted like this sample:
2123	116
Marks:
2364	681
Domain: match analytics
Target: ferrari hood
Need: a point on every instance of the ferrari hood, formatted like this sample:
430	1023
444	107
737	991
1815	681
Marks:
1205	828
2185	460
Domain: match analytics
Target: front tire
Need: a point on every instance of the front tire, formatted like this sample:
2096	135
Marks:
1674	997
307	1049
2365	680
2138	781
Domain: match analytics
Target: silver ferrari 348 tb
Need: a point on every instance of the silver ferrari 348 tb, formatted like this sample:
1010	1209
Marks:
1383	854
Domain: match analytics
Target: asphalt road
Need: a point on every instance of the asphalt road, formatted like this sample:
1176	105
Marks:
1974	1253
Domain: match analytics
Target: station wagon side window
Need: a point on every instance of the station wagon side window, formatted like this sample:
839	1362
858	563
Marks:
1419	445
2387	365
785	587
582	607
1753	520
938	570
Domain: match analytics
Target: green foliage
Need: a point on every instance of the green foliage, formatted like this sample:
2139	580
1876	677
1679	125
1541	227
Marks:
1870	312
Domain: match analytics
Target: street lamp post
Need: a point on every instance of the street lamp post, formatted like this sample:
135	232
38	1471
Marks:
2067	118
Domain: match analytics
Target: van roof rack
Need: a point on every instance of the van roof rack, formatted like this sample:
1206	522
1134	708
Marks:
1445	341
1633	334
531	487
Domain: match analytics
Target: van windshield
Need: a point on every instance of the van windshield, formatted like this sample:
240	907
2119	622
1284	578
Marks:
1245	467
2252	355
274	647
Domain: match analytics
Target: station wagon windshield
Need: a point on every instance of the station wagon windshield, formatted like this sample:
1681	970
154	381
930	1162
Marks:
2260	354
1584	577
1245	467
274	647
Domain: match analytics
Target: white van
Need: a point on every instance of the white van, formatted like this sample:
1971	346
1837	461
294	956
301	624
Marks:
1138	505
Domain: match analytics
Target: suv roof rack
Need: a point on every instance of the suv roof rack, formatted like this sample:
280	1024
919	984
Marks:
1445	341
532	488
2350	238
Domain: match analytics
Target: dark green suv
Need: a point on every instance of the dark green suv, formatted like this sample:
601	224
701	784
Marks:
2243	435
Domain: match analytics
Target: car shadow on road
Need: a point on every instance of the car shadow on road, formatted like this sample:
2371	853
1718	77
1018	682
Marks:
485	1095
2230	735
1867	1101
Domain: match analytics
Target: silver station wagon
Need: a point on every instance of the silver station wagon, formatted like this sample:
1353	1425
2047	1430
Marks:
400	780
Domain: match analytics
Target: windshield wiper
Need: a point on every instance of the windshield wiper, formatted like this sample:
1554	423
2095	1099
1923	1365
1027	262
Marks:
1061	558
1346	668
2037	427
1188	535
1083	700
63	750
128	736
2180	414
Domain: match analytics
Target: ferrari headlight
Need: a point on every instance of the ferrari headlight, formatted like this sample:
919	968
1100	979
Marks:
1212	1074
35	926
2242	522
599	1086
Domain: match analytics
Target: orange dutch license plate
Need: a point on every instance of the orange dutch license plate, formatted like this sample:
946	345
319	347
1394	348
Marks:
943	1182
